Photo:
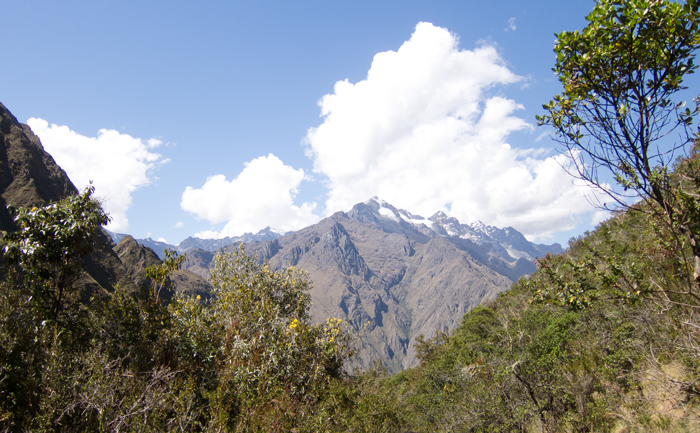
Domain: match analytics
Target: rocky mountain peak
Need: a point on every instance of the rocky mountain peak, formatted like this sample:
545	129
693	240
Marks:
508	243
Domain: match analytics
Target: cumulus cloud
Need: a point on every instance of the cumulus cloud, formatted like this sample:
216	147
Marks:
511	24
262	195
118	164
427	131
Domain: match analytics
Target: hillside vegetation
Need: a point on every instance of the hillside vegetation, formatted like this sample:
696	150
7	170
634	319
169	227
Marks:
604	337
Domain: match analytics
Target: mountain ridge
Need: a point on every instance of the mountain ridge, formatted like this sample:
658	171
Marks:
192	242
392	275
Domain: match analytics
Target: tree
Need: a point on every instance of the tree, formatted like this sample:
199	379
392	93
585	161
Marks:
49	244
253	347
620	111
43	327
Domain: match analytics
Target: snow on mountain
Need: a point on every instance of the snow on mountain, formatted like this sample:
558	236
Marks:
510	244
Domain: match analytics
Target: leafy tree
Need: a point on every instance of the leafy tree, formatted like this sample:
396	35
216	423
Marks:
47	248
41	319
620	110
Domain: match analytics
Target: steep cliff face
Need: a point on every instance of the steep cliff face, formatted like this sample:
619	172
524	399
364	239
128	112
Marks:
28	175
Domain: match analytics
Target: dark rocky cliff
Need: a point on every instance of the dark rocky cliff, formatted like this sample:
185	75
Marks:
29	176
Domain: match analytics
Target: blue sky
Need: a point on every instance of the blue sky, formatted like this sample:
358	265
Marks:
215	119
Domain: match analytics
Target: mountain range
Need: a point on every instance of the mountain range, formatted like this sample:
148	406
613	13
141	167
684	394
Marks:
203	244
390	275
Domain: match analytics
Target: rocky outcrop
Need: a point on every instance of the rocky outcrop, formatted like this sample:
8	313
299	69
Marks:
136	258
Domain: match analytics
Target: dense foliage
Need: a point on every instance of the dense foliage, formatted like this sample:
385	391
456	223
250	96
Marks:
248	359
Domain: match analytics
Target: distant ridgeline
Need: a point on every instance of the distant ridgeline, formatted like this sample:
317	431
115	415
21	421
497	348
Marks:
388	272
203	244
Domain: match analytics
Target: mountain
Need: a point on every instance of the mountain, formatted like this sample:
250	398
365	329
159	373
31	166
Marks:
394	276
203	244
388	273
265	234
29	176
136	258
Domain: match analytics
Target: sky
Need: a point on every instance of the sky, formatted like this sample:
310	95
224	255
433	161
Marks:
216	118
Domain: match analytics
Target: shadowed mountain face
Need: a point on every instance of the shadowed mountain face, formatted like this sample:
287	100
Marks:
29	176
393	275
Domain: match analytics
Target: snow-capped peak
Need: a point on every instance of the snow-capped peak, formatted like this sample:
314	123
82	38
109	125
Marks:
478	226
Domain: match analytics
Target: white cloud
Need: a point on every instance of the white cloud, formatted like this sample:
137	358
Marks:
511	24
262	195
425	132
546	134
118	164
179	225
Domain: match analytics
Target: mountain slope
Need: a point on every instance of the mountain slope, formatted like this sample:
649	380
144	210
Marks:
393	275
29	176
391	279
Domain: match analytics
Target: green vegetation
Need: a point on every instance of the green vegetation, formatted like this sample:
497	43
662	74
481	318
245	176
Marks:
249	359
605	337
572	348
